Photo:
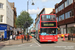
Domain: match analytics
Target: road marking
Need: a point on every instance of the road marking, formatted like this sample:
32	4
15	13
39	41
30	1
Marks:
38	44
30	45
21	45
69	42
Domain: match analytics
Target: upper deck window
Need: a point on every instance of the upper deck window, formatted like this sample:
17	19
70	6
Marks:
48	18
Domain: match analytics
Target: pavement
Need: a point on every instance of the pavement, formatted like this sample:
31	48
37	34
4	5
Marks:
66	40
70	40
13	42
35	45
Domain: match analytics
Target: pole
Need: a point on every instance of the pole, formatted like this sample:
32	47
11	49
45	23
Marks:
27	10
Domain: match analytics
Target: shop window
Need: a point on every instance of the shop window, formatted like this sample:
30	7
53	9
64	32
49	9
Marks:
1	33
1	18
62	31
1	5
71	30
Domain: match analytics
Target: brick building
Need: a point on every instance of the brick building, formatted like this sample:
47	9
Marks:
65	16
53	12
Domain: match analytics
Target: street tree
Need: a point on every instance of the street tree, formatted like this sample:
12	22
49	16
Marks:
23	18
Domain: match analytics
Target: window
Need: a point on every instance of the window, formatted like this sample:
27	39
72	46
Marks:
61	7
56	10
69	14
71	30
61	17
1	18
1	5
68	2
1	33
48	18
57	19
47	31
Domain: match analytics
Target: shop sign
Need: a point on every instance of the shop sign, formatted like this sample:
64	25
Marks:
2	26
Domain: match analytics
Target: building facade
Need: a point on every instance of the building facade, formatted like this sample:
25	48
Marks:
14	11
65	16
15	15
6	18
53	12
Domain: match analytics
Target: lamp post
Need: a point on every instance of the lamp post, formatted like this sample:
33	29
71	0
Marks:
28	8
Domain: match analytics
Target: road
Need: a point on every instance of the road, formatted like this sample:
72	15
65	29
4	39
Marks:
35	45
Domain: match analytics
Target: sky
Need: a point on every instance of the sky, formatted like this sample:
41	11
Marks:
33	9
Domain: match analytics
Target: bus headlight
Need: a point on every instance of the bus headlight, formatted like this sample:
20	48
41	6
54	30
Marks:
55	37
42	37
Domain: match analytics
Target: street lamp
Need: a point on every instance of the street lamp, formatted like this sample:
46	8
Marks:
28	4
28	8
32	2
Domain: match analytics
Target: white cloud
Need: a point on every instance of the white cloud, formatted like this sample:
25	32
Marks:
44	0
50	0
33	11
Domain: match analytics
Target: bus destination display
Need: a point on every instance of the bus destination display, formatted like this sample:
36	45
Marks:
48	24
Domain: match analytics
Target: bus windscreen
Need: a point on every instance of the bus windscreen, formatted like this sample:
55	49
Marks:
47	31
48	18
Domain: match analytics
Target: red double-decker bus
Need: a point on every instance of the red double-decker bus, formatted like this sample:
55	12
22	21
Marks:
46	28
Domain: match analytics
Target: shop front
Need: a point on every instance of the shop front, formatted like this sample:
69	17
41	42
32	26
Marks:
71	29
63	29
3	31
9	31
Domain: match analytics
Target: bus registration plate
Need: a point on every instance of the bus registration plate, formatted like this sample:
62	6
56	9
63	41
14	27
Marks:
49	40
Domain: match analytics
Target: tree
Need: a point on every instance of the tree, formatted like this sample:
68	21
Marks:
22	18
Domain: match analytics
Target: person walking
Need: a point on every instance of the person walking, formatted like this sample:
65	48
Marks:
14	36
2	37
27	36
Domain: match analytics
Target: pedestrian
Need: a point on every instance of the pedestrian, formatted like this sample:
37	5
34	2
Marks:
2	37
27	36
24	37
14	36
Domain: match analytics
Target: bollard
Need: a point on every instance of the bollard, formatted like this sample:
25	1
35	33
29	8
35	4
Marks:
63	38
